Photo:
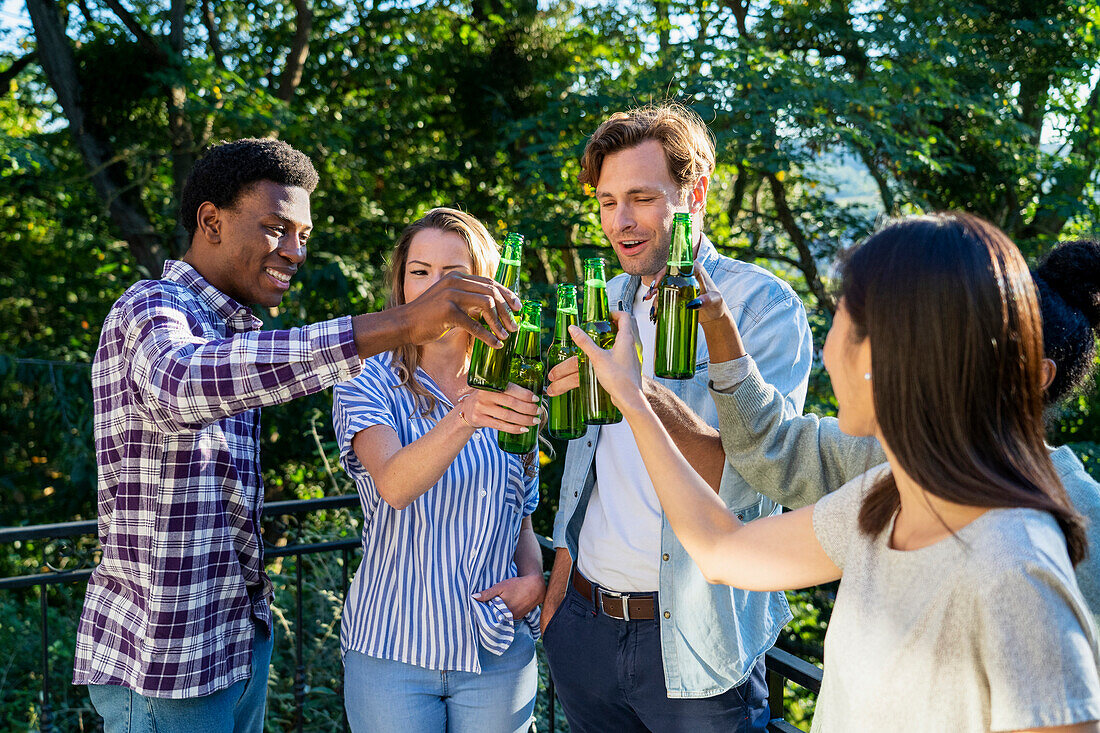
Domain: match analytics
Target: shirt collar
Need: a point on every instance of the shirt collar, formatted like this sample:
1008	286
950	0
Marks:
236	316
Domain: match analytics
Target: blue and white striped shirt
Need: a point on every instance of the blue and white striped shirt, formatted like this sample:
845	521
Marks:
411	600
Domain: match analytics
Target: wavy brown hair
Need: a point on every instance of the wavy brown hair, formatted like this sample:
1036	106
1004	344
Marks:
484	255
688	144
956	350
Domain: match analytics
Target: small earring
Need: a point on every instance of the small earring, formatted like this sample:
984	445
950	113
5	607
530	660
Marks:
867	376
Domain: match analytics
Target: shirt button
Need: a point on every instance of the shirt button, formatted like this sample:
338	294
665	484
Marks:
575	493
665	557
482	492
590	444
668	615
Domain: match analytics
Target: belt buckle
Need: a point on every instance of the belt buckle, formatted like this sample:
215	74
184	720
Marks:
623	597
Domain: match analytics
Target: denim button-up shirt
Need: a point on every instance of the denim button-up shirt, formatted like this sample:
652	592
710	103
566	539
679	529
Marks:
711	635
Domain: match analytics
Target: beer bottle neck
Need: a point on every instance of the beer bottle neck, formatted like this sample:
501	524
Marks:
527	342
680	253
562	321
595	304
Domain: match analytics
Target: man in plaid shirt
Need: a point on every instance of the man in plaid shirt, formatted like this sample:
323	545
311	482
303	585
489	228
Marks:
176	631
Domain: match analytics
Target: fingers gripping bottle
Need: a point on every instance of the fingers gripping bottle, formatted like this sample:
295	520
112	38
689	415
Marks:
565	420
597	407
527	371
489	366
677	325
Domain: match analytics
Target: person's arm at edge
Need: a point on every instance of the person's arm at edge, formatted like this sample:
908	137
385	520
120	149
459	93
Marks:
700	443
453	302
772	450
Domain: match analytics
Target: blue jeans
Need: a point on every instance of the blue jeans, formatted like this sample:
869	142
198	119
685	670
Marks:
609	676
384	695
238	708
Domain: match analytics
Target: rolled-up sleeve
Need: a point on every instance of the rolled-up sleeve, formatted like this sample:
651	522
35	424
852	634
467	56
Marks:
185	381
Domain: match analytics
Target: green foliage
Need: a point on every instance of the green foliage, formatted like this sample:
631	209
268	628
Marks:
826	116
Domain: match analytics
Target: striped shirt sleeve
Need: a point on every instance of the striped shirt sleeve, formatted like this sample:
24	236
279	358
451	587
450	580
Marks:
531	492
361	403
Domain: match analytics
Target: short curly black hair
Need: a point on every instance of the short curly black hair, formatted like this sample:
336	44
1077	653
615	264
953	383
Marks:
1068	281
227	170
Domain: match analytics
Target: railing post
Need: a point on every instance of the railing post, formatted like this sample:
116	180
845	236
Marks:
552	700
300	671
776	683
45	721
343	708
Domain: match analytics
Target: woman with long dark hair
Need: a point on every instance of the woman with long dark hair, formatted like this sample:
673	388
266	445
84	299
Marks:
957	608
439	623
795	460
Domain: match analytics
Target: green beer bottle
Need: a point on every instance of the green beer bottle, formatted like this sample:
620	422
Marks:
677	325
596	404
489	366
565	420
527	371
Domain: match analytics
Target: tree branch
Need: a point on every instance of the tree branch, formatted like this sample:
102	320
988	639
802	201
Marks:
13	71
299	51
1068	184
147	41
806	261
211	22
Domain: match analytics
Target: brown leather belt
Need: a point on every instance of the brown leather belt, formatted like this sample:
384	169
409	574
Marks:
623	606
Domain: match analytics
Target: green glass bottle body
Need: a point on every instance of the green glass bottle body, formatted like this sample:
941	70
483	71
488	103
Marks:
565	420
489	366
526	370
677	325
596	404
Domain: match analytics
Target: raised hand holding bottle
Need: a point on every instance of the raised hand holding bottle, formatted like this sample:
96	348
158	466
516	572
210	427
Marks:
677	325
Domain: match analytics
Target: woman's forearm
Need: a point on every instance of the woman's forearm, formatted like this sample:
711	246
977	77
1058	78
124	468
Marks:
528	555
411	470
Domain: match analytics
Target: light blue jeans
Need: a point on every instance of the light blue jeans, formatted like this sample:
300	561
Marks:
383	695
238	708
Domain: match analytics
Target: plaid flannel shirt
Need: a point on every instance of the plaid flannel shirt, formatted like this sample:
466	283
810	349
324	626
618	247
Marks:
178	379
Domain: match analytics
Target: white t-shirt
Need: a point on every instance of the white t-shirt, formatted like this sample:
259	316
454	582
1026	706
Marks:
983	631
620	542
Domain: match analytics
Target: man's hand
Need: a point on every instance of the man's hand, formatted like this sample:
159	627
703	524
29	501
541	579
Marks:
520	594
719	326
461	301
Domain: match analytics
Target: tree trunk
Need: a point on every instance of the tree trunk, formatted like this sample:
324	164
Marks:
108	172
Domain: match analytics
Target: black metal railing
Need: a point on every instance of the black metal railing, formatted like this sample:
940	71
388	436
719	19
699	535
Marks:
781	665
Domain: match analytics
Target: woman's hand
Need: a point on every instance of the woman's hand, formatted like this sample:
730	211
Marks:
514	410
521	594
618	370
719	327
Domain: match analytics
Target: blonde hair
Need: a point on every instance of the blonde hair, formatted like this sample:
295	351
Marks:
688	144
484	255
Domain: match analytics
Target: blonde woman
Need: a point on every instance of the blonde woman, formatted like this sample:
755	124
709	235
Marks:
439	624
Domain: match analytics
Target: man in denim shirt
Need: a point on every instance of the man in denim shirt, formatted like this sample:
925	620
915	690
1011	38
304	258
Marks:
635	637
